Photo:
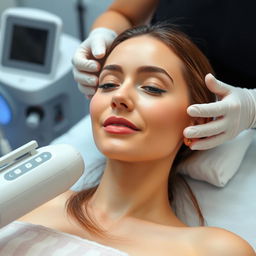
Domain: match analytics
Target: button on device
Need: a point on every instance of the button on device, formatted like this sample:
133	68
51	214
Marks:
10	175
46	156
28	165
17	171
39	159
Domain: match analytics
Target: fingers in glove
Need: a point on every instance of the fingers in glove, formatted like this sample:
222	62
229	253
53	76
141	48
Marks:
214	85
205	130
209	142
98	49
81	62
87	90
215	109
85	78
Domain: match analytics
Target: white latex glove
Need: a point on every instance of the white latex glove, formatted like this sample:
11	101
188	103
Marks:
234	112
85	58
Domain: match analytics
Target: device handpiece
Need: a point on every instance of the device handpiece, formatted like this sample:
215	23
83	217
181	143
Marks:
30	177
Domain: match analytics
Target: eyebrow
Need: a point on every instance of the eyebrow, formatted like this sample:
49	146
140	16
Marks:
149	69
154	69
113	68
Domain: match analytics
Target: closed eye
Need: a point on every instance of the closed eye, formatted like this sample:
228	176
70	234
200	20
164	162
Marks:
108	86
153	90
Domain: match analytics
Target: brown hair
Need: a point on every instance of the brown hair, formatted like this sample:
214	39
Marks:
195	67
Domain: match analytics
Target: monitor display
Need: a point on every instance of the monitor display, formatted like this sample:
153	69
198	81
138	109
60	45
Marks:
28	44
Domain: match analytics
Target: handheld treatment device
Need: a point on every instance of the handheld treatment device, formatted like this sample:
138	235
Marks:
30	177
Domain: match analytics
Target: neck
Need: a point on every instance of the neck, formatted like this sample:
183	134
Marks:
138	190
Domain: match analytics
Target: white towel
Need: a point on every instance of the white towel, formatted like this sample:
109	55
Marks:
25	239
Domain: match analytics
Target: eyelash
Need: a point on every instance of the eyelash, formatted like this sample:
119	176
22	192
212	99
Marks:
107	86
149	89
153	90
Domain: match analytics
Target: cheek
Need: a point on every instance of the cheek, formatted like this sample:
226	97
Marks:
164	129
170	114
94	106
175	115
97	105
168	121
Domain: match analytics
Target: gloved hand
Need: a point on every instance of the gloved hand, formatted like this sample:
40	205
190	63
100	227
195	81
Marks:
235	112
86	56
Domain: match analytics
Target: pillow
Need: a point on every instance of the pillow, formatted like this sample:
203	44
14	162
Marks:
218	165
215	166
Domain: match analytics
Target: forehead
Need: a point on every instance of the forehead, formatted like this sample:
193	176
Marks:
145	50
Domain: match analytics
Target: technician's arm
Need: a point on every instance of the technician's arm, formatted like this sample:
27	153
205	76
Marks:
121	15
234	112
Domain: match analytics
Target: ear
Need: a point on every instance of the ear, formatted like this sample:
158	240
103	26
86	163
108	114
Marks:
195	121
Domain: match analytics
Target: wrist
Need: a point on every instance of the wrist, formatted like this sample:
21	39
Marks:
102	30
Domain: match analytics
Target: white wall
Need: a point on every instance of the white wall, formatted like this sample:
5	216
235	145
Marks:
65	9
94	9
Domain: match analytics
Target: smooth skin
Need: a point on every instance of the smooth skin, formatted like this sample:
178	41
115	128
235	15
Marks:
131	202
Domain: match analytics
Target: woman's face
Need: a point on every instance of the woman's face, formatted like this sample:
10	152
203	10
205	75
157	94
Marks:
139	110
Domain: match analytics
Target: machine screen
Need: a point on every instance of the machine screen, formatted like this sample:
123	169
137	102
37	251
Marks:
28	44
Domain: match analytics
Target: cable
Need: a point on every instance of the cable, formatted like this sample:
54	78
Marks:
81	21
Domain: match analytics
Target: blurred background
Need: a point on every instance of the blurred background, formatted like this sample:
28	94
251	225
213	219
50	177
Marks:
74	13
33	107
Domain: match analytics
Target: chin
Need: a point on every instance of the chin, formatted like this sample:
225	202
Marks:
117	154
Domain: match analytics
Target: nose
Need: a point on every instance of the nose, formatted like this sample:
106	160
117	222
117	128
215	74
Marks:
122	99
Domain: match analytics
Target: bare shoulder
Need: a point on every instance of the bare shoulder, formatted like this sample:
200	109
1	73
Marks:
217	241
51	210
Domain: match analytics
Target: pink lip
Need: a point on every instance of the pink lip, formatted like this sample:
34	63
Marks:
119	125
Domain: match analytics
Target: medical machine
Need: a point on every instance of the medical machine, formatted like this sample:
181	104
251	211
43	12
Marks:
39	99
30	177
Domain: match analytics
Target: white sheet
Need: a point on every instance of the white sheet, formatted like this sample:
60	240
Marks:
232	207
25	239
